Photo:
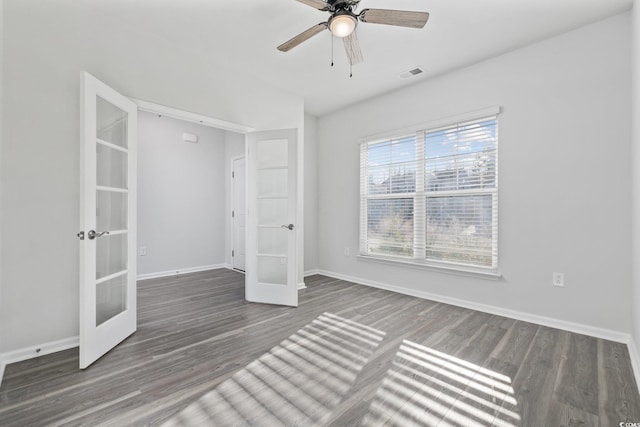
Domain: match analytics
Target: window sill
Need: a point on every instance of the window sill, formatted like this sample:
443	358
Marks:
440	268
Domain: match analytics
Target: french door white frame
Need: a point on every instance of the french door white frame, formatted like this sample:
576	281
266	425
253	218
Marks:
97	338
264	284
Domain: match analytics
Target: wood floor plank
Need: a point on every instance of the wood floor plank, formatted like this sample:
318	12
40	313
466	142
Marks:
535	380
577	382
456	374
348	355
618	394
498	373
564	415
433	325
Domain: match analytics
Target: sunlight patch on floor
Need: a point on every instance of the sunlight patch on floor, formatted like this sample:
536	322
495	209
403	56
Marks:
425	387
299	381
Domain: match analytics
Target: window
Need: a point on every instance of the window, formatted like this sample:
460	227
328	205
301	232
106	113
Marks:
431	197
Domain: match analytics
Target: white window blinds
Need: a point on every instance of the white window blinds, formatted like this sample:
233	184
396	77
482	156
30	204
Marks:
389	182
431	197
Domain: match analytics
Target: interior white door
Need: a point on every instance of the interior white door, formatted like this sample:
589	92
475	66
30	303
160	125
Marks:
239	214
107	219
271	217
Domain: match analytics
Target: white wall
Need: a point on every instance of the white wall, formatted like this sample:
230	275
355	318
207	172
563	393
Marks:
46	45
181	193
564	176
635	121
3	320
234	147
310	193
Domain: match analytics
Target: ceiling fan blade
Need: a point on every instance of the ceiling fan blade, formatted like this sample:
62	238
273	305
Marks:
303	36
401	18
352	46
317	4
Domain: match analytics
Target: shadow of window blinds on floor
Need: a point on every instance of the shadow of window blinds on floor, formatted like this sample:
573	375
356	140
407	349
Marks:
425	387
298	382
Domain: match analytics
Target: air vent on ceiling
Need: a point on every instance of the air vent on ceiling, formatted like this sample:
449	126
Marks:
412	73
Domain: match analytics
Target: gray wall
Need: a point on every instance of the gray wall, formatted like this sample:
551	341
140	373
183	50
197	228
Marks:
635	56
1	145
181	193
46	45
310	193
2	130
564	167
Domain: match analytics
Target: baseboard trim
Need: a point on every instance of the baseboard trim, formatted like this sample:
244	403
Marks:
180	271
311	272
634	355
36	351
302	285
499	311
2	366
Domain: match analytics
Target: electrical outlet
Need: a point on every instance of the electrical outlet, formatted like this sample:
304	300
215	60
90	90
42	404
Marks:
346	251
142	251
558	279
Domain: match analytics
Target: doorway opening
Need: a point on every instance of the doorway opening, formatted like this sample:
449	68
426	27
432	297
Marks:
238	213
185	194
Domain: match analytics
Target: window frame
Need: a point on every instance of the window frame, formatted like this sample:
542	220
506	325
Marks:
419	259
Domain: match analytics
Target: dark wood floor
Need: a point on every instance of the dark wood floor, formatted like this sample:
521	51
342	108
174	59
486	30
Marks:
349	355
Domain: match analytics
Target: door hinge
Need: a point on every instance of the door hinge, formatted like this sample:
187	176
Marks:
233	174
233	214
233	253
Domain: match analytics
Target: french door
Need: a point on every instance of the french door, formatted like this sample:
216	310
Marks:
107	219
271	217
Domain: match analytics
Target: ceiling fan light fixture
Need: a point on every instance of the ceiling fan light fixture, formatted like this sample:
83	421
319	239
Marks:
342	25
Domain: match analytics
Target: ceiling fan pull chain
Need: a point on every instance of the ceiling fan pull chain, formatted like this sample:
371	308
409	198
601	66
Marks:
350	69
332	50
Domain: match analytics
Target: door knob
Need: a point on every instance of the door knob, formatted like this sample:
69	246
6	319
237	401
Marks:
290	226
92	234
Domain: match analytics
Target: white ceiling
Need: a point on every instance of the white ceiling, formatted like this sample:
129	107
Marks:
245	33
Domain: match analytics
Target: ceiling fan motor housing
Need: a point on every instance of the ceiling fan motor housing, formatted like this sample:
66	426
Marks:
336	5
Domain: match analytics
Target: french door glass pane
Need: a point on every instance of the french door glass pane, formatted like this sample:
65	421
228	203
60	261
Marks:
111	254
273	241
272	182
111	210
272	270
273	153
111	298
111	123
111	167
272	211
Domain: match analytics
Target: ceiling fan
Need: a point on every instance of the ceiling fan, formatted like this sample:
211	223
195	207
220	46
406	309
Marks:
344	20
